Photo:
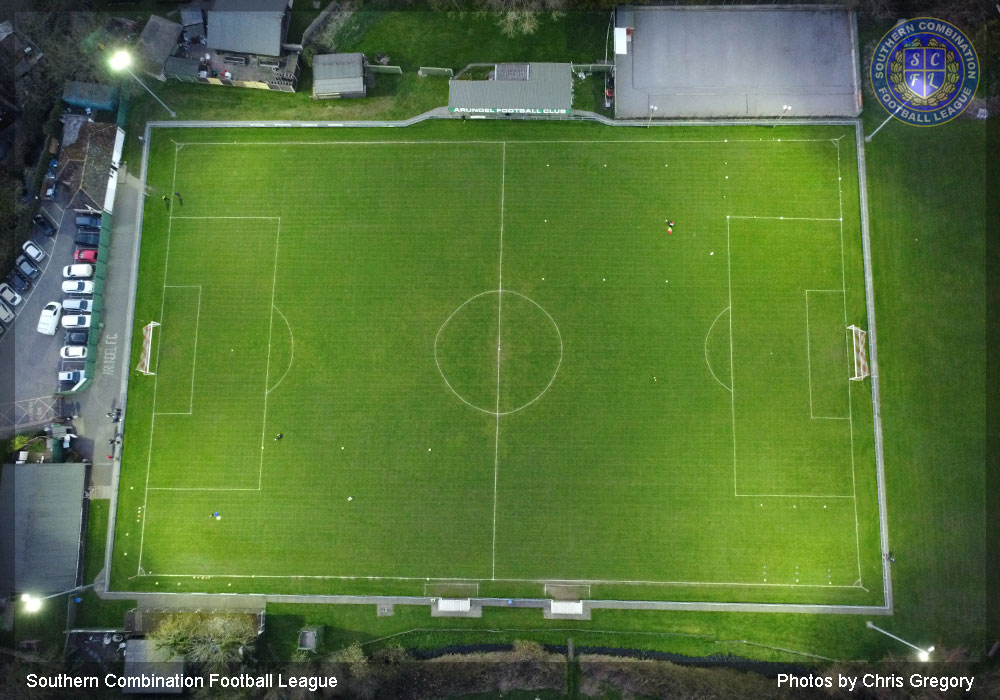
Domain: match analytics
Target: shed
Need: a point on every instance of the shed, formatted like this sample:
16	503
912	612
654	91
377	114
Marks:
337	75
310	637
149	669
42	507
93	95
158	40
515	88
248	26
736	62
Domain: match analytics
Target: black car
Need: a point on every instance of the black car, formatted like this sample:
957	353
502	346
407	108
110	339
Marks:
25	267
44	224
88	222
87	239
18	282
75	338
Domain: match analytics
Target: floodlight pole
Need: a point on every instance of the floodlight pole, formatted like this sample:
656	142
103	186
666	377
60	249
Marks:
652	108
924	653
162	103
784	109
29	599
870	136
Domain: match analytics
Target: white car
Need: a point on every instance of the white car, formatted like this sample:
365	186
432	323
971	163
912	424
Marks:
9	295
33	251
72	376
78	272
48	322
77	305
70	287
73	352
76	321
6	314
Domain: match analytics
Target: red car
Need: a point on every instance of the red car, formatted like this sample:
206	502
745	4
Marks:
85	255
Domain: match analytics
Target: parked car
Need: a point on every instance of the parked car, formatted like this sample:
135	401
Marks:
87	239
33	251
48	322
76	337
8	295
85	255
75	321
84	287
47	227
6	314
72	376
77	306
73	352
90	222
27	268
78	272
18	281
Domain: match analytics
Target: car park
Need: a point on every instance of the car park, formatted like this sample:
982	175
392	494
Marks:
78	272
77	306
87	239
46	226
8	295
33	251
85	255
73	352
84	287
48	322
75	321
6	314
26	268
72	376
76	337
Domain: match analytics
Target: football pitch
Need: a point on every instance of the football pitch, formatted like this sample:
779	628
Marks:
497	369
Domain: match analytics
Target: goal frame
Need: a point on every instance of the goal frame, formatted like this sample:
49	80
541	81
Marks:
147	346
859	338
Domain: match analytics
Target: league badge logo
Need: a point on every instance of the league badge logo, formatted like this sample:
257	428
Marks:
925	71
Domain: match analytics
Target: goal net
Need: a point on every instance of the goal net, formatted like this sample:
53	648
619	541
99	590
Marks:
860	338
147	344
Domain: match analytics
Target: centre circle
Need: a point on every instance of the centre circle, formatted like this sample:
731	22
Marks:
498	352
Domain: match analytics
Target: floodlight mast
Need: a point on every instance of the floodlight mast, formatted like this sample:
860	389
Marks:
922	654
870	136
120	61
33	603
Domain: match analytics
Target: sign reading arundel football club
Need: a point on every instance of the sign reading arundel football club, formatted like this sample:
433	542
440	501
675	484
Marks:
925	71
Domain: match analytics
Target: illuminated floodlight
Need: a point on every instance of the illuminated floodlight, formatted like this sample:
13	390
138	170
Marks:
120	60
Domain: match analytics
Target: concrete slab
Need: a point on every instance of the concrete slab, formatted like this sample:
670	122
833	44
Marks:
737	62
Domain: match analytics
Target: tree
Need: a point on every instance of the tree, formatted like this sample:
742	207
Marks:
213	641
521	17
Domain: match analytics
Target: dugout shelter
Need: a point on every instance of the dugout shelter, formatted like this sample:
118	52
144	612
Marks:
736	62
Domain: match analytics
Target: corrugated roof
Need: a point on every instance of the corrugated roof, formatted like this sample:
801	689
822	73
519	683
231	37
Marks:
548	88
247	26
340	73
43	511
157	41
93	95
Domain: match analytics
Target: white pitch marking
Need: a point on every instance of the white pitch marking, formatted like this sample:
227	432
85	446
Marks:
496	438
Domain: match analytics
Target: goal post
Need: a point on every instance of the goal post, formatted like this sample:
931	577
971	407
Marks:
147	345
860	339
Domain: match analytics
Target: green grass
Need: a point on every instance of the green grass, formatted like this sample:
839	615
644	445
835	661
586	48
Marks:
350	308
92	611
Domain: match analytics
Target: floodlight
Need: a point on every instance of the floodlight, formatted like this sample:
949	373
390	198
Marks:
120	60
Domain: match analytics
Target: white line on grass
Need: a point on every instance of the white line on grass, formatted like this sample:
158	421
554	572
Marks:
707	362
496	438
732	371
812	414
291	358
485	141
267	371
847	349
156	377
568	582
788	495
194	361
787	218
